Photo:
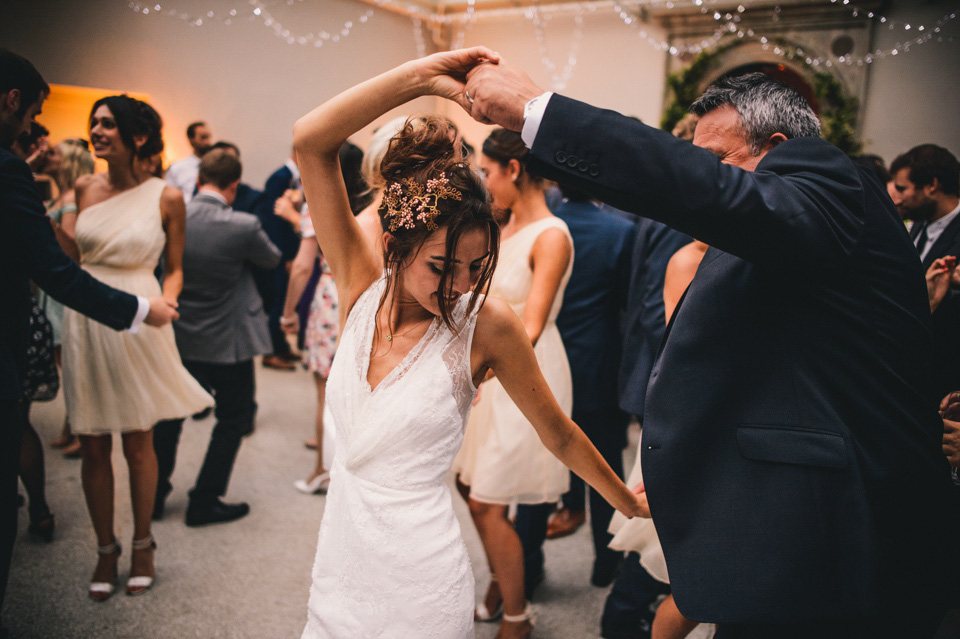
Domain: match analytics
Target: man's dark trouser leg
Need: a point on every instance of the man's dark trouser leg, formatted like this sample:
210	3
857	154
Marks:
11	432
234	387
626	613
531	526
277	337
575	498
166	438
608	432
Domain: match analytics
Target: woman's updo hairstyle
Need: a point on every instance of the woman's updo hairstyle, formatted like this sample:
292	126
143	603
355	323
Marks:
428	149
134	117
502	145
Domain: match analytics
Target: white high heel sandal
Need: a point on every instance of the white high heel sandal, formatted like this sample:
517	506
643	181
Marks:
140	584
529	614
316	486
481	613
102	590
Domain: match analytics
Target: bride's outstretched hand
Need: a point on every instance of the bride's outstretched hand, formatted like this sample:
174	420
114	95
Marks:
642	505
445	73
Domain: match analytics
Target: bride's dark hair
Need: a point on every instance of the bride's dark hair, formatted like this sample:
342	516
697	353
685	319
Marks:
424	149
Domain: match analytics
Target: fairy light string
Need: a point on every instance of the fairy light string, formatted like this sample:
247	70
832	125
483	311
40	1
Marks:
728	24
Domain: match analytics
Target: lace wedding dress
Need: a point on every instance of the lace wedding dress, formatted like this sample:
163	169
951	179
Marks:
391	562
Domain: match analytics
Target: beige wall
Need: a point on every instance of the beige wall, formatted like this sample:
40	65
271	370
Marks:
913	98
248	84
615	69
251	86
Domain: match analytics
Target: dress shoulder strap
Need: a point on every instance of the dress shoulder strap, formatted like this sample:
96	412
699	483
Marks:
366	304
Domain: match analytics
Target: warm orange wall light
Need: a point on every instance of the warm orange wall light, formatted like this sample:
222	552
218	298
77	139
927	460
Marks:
66	110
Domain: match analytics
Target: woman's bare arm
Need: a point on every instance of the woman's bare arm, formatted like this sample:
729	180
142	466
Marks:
300	272
174	214
317	138
549	258
502	344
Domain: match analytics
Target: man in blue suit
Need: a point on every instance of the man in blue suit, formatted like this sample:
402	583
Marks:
791	445
627	611
589	323
272	283
29	250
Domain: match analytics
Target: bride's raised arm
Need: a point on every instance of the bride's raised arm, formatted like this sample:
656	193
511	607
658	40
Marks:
318	135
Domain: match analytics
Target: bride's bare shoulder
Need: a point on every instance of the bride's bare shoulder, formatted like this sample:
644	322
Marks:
497	325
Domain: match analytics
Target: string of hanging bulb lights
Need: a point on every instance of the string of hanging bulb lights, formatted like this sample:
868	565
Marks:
728	25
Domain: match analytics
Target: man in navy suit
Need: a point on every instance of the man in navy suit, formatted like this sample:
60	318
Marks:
627	611
791	445
272	283
926	180
589	323
29	250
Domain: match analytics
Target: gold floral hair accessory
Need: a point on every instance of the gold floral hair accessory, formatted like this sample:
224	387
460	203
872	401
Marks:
408	201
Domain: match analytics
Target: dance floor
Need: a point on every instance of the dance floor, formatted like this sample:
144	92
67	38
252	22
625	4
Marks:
248	579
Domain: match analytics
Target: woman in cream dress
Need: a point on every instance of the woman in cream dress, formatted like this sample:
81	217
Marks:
502	459
125	382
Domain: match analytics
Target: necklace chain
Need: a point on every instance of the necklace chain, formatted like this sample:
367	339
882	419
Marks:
389	336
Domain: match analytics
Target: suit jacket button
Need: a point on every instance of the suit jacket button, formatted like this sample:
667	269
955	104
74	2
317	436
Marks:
594	170
582	166
572	161
560	157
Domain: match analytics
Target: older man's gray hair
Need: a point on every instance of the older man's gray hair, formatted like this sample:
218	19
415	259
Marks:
765	105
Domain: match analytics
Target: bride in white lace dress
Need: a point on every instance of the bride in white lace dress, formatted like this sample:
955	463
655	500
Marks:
417	338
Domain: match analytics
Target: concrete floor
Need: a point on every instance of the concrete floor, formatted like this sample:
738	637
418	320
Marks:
248	579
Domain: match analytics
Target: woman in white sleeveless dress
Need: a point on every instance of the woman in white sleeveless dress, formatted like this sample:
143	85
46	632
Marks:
417	338
502	461
125	382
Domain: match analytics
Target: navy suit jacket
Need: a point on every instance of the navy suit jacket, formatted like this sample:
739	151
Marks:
791	445
277	229
29	250
645	319
248	198
589	319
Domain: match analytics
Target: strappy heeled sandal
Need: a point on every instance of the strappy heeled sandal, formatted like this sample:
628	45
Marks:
137	585
482	613
316	486
529	615
102	590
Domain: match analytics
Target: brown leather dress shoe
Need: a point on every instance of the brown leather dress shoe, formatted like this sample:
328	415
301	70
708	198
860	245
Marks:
277	362
565	522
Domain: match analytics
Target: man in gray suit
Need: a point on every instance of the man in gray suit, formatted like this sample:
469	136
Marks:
222	327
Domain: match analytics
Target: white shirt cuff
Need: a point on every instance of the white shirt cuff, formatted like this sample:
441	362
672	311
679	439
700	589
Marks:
532	115
143	307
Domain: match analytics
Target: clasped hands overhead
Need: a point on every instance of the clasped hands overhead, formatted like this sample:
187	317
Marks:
491	90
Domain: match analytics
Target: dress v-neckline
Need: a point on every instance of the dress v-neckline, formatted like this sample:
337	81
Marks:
401	365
